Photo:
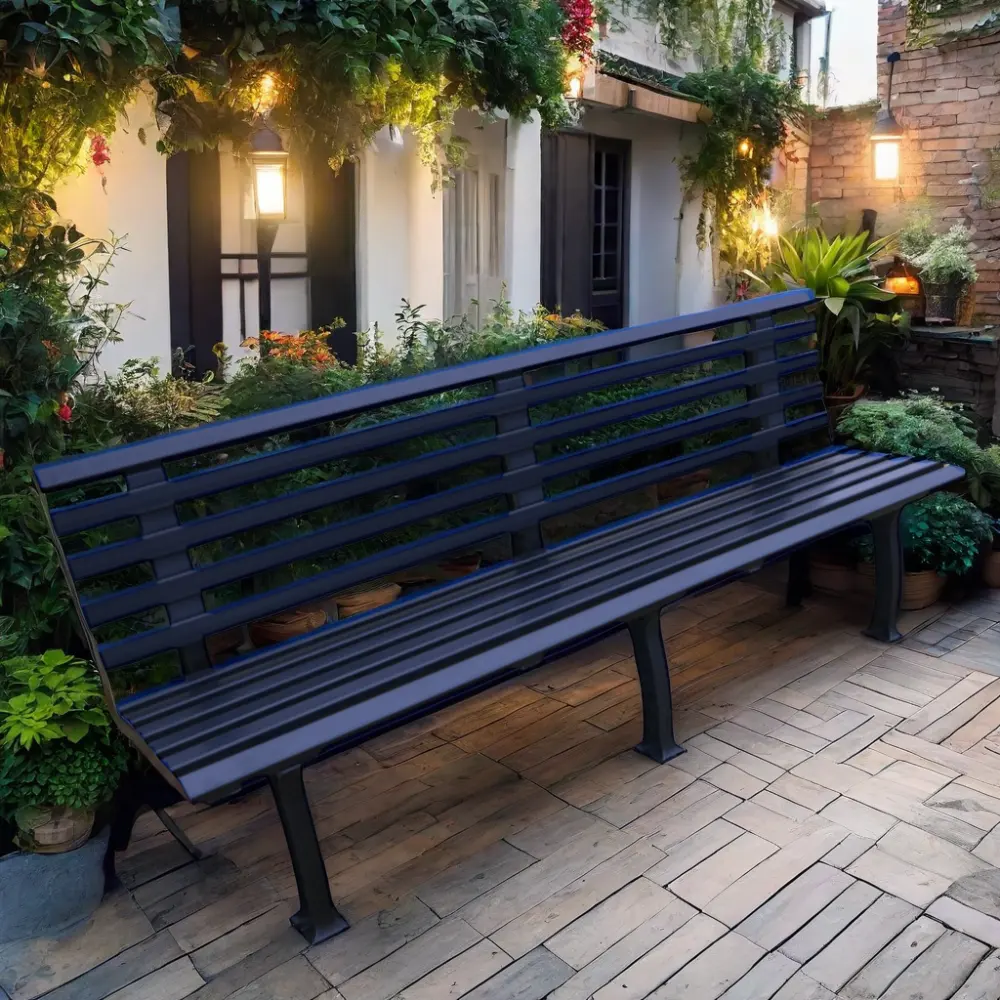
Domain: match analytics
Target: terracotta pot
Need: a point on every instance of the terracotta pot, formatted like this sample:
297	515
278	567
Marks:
353	602
835	405
920	590
991	568
285	625
54	829
830	576
683	486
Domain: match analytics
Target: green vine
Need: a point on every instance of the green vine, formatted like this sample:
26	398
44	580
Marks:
921	14
752	112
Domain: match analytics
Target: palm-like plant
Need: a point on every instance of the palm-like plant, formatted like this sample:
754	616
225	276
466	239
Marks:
841	274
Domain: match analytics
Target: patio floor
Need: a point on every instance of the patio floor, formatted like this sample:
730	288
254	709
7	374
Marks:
830	832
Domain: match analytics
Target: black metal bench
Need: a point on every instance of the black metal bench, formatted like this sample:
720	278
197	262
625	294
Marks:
173	540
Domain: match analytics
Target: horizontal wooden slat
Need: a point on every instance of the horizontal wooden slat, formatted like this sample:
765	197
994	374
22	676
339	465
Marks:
184	444
108	558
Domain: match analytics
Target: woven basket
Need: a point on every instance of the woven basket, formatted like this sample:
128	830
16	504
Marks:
54	829
829	577
353	602
920	590
991	569
285	625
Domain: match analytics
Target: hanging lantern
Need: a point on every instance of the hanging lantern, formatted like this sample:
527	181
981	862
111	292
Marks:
887	135
903	281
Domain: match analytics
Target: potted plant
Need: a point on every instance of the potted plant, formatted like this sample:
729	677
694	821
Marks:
60	759
947	270
849	330
942	535
991	561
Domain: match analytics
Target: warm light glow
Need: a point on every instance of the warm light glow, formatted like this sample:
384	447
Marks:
575	87
902	284
763	222
267	94
576	70
269	189
745	147
886	159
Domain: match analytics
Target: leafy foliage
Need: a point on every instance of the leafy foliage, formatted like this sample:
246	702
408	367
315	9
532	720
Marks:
926	427
752	112
81	775
49	697
941	532
947	260
344	69
849	332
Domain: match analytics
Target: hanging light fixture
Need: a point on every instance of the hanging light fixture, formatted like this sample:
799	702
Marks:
887	135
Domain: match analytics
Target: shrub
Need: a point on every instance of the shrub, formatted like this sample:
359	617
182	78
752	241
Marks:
948	259
926	427
941	532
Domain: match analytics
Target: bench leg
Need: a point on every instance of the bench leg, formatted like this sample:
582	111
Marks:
798	577
179	835
317	918
888	577
654	679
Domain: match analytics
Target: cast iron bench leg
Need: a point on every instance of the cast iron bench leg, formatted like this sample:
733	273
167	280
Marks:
317	918
798	577
888	577
654	680
179	835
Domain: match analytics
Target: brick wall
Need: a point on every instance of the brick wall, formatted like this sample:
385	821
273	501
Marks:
948	100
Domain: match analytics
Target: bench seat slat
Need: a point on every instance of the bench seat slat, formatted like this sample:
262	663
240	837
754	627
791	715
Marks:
411	622
514	640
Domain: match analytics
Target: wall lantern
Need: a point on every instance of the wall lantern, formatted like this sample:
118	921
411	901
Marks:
576	70
903	281
745	148
887	135
269	164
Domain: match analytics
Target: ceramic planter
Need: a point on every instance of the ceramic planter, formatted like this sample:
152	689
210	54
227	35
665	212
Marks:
285	625
45	895
920	590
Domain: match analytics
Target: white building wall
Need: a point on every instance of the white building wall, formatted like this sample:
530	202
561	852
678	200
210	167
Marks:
523	213
133	206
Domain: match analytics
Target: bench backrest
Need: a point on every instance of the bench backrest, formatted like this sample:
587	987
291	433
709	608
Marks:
173	539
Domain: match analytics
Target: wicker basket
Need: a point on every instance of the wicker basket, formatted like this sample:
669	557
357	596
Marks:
831	577
285	625
54	829
354	602
920	590
991	569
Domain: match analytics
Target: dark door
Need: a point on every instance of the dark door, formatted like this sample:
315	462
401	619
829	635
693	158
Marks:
585	226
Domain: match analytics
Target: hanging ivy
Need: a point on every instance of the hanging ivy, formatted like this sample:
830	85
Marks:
751	114
718	31
347	68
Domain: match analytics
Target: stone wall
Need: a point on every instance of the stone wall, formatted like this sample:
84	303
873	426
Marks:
962	368
948	99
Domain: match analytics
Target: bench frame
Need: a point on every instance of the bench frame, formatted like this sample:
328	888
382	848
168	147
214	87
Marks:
151	496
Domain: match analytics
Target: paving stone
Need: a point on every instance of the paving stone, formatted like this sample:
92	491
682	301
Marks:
830	921
624	953
662	961
763	980
858	818
898	878
847	953
459	975
695	849
469	879
967	920
848	850
713	971
802	987
175	981
939	971
597	930
731	779
758	885
879	974
788	911
805	793
924	850
712	876
296	979
532	977
984	983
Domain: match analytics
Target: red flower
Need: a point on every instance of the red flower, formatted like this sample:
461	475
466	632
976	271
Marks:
64	412
100	153
578	29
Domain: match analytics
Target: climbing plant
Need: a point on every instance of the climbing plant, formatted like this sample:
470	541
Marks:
718	31
752	112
